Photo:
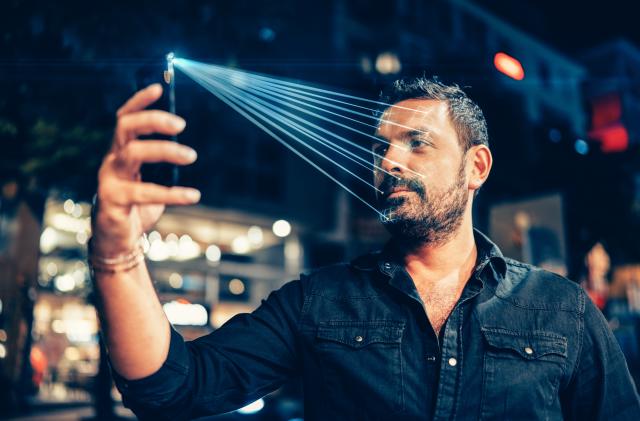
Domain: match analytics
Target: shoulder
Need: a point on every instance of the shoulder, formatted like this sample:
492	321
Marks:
345	278
535	288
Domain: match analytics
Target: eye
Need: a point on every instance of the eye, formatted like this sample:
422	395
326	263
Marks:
380	149
416	143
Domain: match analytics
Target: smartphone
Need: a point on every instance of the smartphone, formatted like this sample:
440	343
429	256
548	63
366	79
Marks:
160	72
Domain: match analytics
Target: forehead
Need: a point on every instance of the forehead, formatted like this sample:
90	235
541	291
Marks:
419	114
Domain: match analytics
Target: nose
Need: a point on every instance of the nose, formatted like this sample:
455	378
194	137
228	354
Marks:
393	160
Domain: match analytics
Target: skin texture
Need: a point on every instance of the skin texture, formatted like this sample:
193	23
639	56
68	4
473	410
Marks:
130	311
431	221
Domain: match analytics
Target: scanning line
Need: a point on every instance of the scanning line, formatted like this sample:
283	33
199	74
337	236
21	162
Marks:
271	87
324	141
240	109
211	84
234	75
296	85
326	131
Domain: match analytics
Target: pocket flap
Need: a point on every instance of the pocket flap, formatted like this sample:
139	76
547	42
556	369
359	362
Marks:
529	345
360	334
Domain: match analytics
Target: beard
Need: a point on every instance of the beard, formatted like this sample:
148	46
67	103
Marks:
427	217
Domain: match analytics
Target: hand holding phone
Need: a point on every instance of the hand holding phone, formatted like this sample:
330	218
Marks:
160	173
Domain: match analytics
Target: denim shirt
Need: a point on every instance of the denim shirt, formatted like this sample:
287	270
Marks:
521	343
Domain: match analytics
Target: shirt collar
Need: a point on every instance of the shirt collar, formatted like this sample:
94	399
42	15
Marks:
388	261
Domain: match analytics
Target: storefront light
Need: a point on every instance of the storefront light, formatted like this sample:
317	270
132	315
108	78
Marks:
213	253
64	283
48	240
281	228
175	280
68	206
51	269
236	286
255	236
240	245
252	408
154	236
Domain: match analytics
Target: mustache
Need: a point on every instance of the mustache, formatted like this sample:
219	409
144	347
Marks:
390	182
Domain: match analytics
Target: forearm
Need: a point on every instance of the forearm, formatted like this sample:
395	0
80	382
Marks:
134	325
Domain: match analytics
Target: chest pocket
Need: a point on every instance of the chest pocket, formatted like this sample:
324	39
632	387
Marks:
522	371
362	365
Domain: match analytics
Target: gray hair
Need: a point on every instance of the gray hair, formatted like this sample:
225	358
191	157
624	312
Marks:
466	116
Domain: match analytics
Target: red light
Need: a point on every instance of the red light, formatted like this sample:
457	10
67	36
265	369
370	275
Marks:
509	66
612	138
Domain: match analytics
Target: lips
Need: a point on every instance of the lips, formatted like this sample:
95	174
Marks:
397	190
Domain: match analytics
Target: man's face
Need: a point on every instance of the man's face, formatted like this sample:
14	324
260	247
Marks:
422	176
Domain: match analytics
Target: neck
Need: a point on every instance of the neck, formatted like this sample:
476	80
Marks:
453	259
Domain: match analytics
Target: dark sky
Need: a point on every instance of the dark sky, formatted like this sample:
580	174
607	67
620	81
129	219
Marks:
568	25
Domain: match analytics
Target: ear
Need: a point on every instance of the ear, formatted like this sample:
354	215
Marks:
479	161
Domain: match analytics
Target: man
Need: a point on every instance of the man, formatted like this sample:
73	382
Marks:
438	325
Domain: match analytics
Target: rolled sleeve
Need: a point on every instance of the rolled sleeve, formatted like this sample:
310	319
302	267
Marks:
170	376
249	356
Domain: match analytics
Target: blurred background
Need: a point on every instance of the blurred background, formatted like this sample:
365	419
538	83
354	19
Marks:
559	83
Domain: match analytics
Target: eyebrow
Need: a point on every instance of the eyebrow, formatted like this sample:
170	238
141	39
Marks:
420	132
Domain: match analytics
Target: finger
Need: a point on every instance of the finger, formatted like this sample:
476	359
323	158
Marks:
152	151
141	100
139	123
127	193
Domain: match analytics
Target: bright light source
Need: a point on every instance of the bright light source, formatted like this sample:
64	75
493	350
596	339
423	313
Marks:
255	236
64	283
253	407
58	326
187	248
63	222
68	206
175	280
581	147
77	211
72	353
240	245
48	240
281	228
388	63
509	66
154	236
52	269
158	251
236	286
82	237
213	253
186	314
3	351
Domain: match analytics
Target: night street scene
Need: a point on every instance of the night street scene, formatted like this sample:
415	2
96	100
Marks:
330	210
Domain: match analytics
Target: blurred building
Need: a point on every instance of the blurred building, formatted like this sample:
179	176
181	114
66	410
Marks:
266	215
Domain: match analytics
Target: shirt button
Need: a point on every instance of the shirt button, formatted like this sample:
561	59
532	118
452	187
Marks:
528	350
453	362
358	338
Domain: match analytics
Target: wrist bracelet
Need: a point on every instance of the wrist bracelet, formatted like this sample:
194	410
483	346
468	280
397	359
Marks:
116	264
